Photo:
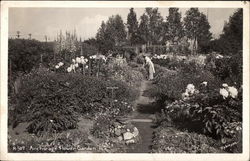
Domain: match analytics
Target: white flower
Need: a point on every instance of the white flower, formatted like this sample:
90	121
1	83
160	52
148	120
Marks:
87	67
72	66
233	92
69	69
204	83
224	85
93	57
190	88
73	60
224	92
76	65
219	56
185	95
57	66
51	120
78	60
60	64
86	60
82	57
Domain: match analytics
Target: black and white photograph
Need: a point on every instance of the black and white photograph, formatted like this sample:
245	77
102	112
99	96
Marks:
147	80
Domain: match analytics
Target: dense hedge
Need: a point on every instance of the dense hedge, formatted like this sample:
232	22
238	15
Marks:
53	101
26	54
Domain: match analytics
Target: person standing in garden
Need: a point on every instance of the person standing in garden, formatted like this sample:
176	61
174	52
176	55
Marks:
151	69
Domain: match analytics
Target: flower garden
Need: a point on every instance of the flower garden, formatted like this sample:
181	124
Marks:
78	105
53	100
200	99
70	96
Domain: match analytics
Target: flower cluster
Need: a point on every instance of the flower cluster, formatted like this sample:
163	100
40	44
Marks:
163	56
190	91
218	56
226	91
98	57
60	64
76	62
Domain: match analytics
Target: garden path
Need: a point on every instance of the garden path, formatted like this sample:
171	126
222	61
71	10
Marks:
142	118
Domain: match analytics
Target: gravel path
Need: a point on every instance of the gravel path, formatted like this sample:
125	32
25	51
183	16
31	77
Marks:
142	119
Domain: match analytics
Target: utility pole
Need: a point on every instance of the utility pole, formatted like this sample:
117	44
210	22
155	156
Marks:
18	34
30	36
46	38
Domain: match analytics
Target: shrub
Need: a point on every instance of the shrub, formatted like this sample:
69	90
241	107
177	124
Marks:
209	113
24	54
125	73
58	143
170	140
52	101
171	84
228	69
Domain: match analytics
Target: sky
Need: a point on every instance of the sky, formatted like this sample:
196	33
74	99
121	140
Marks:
86	21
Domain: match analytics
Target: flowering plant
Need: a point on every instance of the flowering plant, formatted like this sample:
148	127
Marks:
212	112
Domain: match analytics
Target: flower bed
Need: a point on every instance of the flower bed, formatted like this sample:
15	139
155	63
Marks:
197	99
53	101
211	112
170	140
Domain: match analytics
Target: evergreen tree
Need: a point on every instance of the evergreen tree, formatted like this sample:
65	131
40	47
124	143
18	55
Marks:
231	39
111	34
174	28
132	25
155	25
197	28
143	30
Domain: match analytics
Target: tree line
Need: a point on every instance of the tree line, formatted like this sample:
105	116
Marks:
153	29
25	54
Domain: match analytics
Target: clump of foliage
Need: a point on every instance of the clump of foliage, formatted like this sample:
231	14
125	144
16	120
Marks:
25	54
210	113
231	39
53	101
171	84
170	140
228	69
118	69
57	143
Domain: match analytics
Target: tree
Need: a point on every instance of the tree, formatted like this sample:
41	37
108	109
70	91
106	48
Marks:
231	39
174	28
155	25
132	25
204	35
100	37
111	34
197	28
143	30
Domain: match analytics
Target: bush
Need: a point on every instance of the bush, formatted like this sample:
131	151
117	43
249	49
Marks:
121	71
228	69
171	84
170	140
25	54
52	101
209	113
58	143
